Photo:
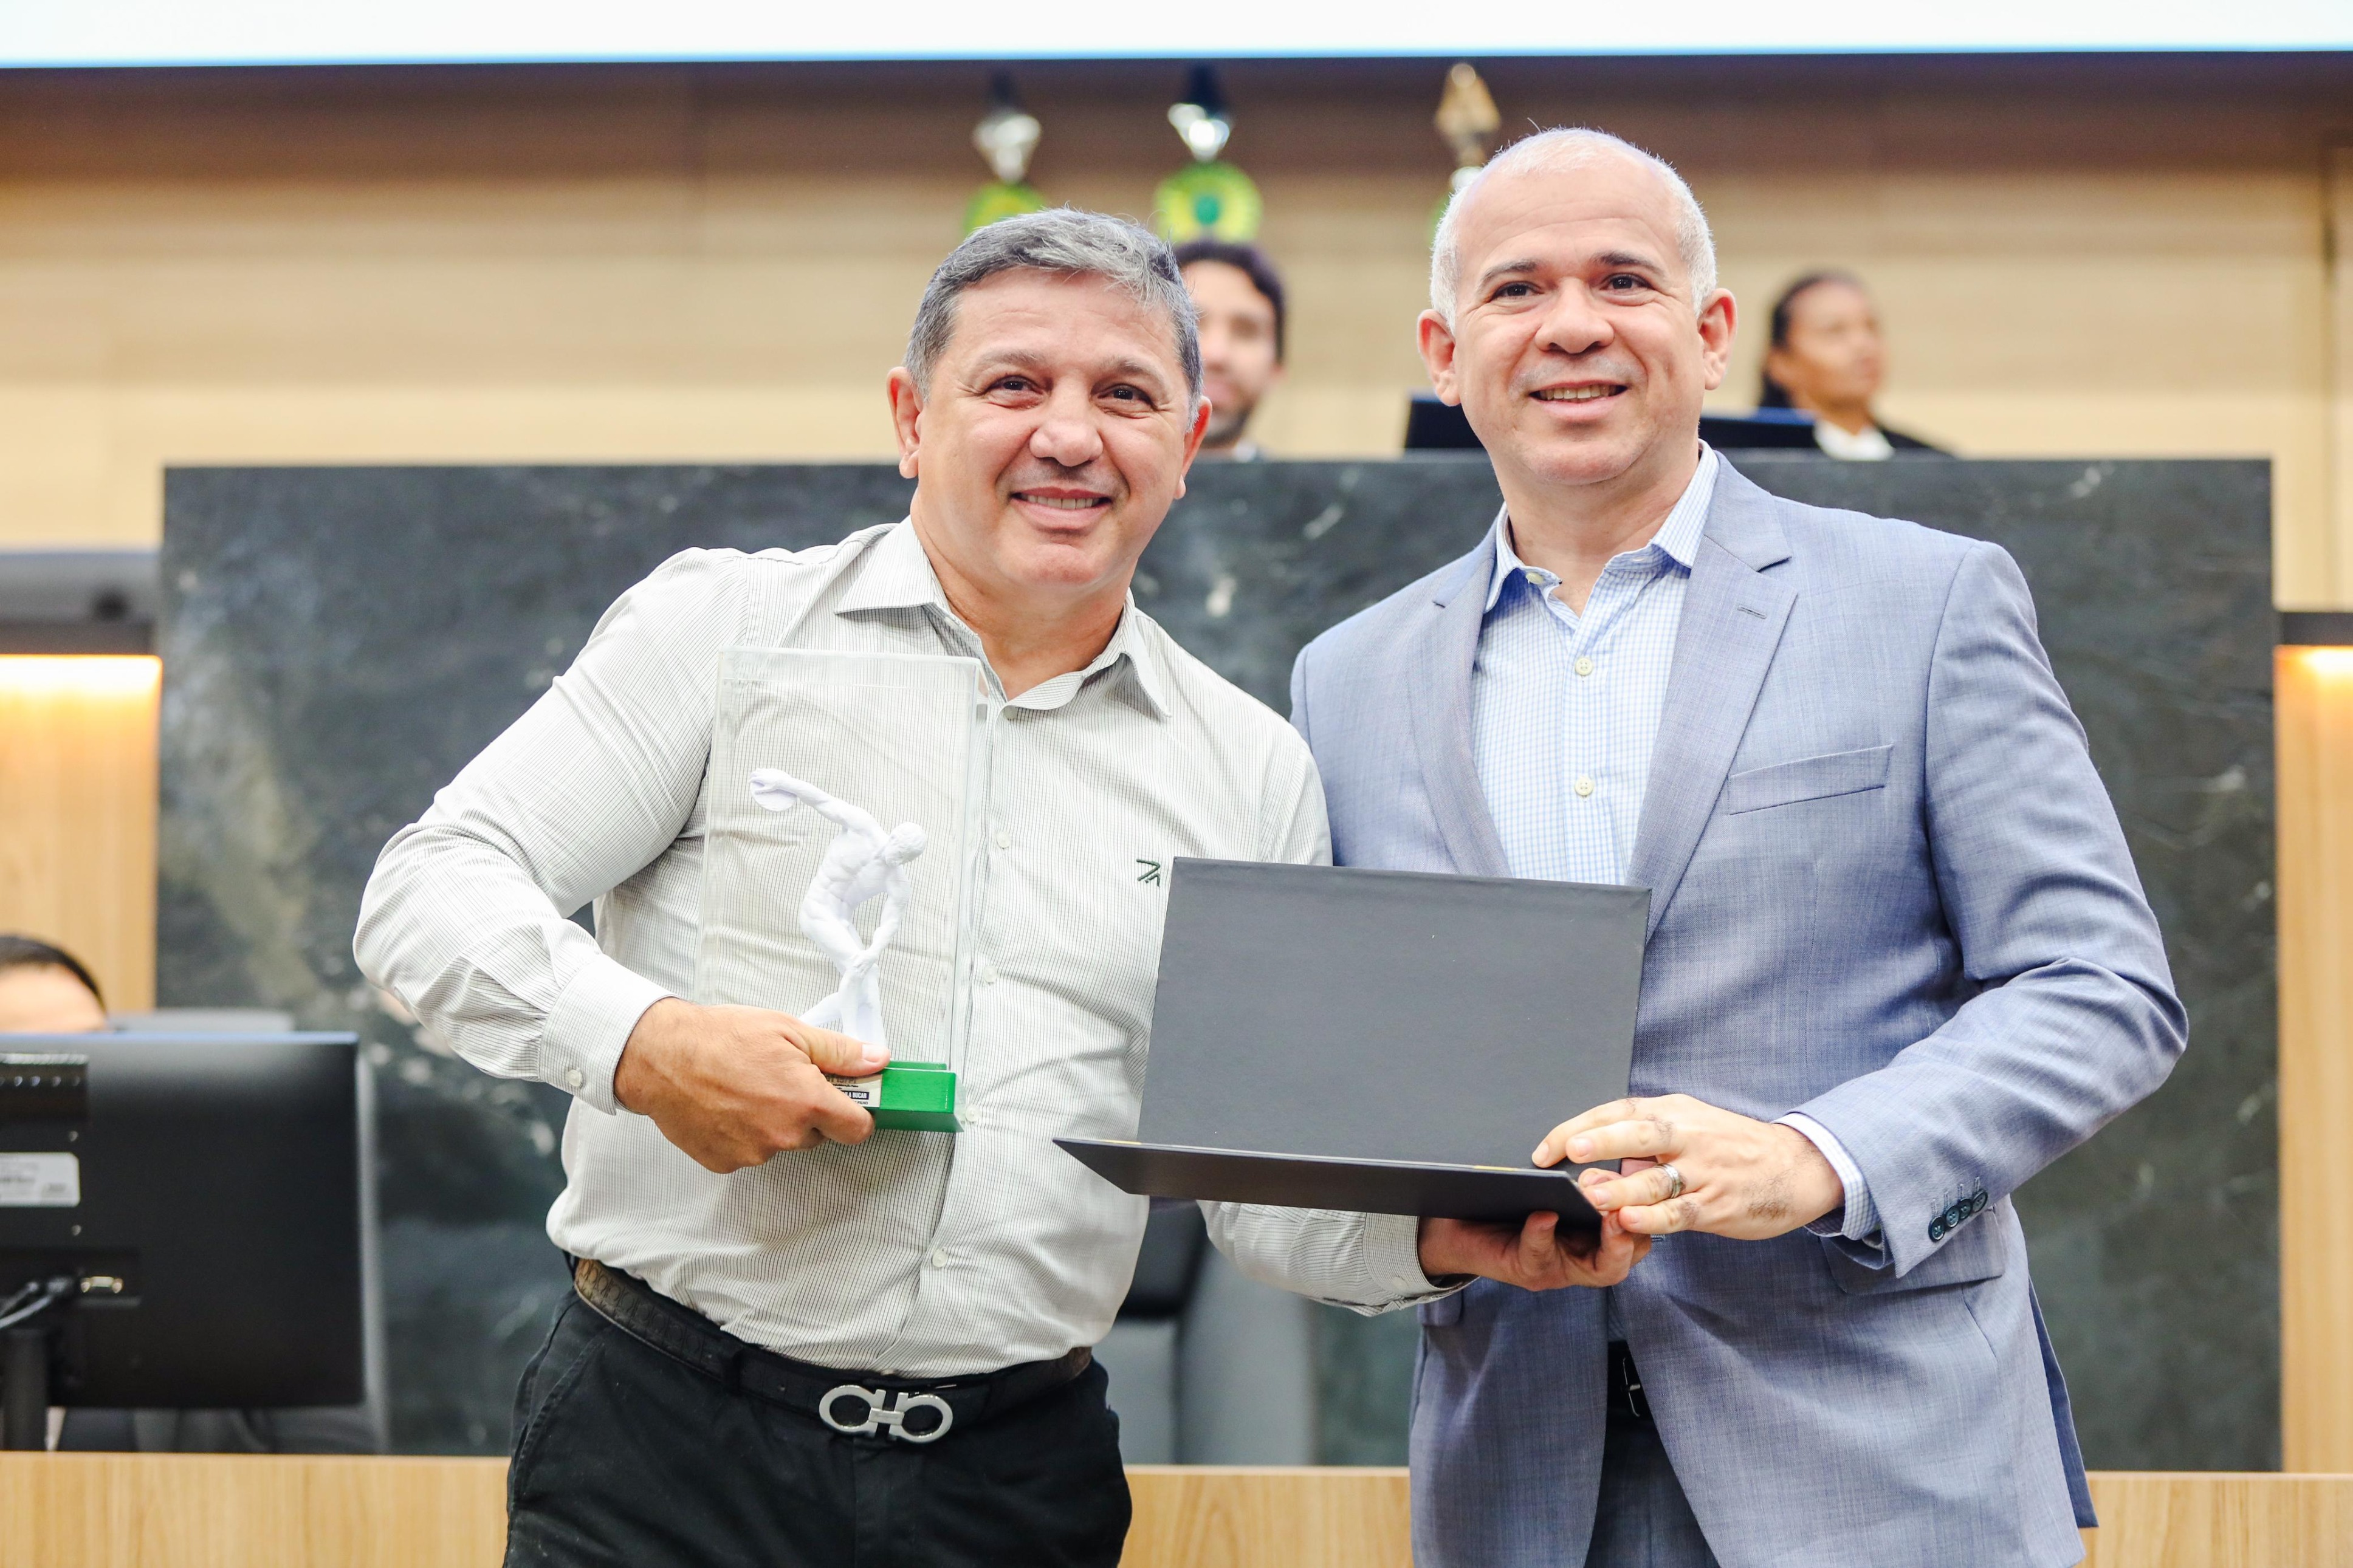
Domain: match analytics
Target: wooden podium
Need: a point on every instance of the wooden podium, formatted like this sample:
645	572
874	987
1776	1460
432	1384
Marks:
128	1510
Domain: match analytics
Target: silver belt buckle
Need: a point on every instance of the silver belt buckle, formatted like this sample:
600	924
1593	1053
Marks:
886	1407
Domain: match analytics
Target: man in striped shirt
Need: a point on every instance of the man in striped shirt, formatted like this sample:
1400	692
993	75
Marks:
796	1343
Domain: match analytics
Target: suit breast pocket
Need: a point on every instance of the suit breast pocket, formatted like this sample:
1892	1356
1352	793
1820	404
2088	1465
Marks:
1806	778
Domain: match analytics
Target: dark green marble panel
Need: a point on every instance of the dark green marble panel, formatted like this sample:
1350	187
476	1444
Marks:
339	641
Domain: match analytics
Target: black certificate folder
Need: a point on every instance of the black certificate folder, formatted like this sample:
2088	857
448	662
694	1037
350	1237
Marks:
1386	1041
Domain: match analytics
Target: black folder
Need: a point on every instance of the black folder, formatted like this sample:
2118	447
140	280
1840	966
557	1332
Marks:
1386	1041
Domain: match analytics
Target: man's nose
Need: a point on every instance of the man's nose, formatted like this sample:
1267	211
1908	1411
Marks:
1066	432
1575	325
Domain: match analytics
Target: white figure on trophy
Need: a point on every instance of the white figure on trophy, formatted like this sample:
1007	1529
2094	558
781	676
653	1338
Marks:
862	862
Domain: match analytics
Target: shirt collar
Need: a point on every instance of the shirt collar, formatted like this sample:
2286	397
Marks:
1129	659
1677	539
1867	445
897	574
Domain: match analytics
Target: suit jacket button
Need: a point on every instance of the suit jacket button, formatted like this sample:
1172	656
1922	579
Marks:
1935	1230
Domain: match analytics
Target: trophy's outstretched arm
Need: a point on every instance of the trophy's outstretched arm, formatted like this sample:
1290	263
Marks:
779	791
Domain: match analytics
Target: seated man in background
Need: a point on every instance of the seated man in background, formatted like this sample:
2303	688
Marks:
1826	357
1237	295
45	990
716	1393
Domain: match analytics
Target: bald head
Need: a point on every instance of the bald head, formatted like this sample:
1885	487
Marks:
1560	152
1576	317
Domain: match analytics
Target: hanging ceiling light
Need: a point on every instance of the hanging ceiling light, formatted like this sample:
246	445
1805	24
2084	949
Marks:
1006	138
1467	119
1211	197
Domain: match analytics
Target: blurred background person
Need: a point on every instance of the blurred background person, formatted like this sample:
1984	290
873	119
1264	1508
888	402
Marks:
1238	294
1827	357
45	990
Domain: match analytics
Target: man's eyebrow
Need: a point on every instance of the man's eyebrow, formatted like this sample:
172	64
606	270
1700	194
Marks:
1135	370
1011	359
1502	269
1505	268
1126	367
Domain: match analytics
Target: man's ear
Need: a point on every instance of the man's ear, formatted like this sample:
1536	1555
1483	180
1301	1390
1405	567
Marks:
1718	317
1193	440
1437	342
906	418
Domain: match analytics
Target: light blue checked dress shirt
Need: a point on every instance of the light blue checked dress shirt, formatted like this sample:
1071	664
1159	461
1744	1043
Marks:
1564	711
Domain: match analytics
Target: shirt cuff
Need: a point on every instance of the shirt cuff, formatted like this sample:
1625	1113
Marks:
580	1044
1859	1221
1393	1258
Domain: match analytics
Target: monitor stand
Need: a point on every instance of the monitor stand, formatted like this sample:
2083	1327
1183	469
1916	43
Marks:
25	1362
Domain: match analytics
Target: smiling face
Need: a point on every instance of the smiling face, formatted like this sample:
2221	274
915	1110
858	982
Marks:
1576	349
1052	439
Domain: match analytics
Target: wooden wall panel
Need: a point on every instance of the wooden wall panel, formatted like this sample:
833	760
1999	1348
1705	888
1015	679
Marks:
2210	1521
2339	339
124	1510
75	1510
78	813
1215	1517
2315	717
682	264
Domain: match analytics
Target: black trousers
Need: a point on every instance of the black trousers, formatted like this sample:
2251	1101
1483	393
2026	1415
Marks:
626	1456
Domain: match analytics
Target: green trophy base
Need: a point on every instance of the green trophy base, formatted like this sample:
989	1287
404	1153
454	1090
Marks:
906	1096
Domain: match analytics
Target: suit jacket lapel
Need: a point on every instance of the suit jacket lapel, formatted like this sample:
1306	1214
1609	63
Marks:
1733	611
1438	691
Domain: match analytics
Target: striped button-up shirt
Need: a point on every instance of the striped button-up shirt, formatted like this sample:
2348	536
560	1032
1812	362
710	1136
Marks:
1565	705
1564	711
919	1254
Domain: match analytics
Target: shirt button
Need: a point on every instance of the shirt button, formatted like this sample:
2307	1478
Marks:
1536	579
986	973
1584	665
1584	787
940	1259
1004	838
576	1077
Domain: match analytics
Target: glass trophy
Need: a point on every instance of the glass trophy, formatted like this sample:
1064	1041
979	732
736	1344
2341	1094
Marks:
838	858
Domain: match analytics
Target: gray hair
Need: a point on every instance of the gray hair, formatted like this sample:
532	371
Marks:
1070	243
1572	148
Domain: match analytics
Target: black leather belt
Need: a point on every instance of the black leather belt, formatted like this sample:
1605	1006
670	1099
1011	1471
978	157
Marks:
1625	1389
855	1403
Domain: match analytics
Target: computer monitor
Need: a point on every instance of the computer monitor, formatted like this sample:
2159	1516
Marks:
182	1222
1431	426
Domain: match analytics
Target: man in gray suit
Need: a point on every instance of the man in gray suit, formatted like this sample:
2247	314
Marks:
1899	960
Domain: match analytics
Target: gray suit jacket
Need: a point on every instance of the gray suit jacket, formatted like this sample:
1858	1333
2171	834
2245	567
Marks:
1888	890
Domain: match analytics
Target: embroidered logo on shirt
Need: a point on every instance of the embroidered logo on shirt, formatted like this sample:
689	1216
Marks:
1150	875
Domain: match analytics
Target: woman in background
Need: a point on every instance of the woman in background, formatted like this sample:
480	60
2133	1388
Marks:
1827	358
